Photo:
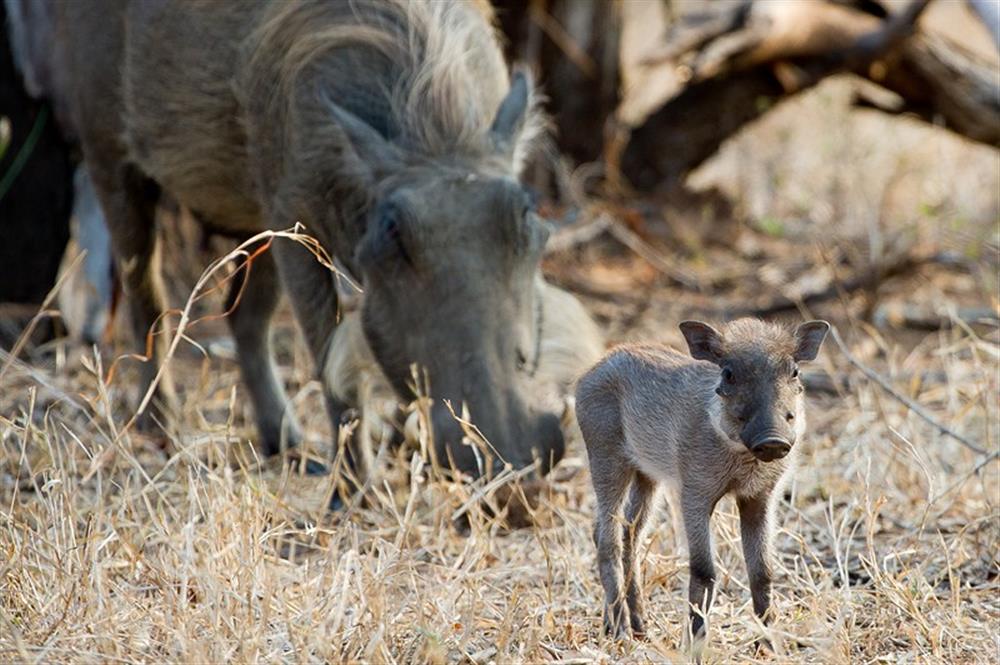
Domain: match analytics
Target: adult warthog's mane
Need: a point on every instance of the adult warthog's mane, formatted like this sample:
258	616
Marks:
447	74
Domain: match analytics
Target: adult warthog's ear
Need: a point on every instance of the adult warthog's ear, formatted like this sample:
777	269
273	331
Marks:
809	337
703	340
513	112
371	148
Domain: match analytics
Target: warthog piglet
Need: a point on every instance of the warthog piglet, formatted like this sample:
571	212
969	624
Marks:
725	421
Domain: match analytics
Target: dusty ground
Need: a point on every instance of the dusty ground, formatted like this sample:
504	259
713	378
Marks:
126	548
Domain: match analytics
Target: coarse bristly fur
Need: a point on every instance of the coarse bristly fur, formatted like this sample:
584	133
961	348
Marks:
448	81
391	130
725	421
570	343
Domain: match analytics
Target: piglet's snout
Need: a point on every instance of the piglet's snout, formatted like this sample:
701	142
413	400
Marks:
771	448
767	442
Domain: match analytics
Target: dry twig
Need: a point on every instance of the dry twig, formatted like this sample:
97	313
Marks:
578	234
649	254
868	279
906	401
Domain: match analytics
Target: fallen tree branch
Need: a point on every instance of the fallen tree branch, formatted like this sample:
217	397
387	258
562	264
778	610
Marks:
654	258
782	48
903	399
918	318
896	28
587	288
605	222
578	234
820	382
867	279
965	478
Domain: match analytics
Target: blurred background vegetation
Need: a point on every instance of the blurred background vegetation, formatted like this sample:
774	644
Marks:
783	158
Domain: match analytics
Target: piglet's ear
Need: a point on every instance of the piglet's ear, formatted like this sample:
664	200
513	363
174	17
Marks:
703	340
809	337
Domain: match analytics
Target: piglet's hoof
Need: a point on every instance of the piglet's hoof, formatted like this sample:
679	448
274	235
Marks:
347	495
638	628
615	621
314	468
153	420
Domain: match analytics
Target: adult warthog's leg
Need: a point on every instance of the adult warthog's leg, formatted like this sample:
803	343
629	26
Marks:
129	200
313	294
253	297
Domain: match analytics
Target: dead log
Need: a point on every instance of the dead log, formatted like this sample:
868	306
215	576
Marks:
942	83
754	55
692	126
989	13
868	278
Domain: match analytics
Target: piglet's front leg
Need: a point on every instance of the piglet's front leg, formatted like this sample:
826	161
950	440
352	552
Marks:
755	530
701	586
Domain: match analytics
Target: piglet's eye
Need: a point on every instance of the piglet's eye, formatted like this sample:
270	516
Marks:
795	371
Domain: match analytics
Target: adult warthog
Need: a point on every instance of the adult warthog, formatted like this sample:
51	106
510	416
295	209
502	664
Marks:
391	129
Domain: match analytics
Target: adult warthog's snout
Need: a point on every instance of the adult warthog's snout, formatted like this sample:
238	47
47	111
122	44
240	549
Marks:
516	439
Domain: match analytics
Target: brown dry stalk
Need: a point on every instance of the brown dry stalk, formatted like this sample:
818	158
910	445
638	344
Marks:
43	309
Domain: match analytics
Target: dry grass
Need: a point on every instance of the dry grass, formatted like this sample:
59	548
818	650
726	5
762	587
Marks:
888	546
129	548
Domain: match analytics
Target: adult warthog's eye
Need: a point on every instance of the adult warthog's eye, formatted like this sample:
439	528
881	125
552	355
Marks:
393	235
386	241
728	376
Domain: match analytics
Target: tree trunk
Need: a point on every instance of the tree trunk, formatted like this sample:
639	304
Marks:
572	45
690	127
744	64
